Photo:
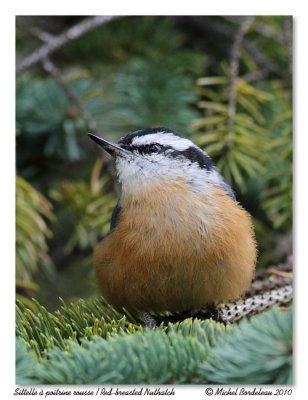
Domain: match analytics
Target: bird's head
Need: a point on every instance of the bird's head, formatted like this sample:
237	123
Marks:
150	156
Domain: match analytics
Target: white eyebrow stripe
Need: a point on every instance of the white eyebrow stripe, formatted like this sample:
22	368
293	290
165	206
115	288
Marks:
178	143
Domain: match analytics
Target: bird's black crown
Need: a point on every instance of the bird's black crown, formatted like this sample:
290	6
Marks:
127	140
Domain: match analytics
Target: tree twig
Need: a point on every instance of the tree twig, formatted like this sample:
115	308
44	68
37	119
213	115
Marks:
262	28
216	26
51	69
234	65
56	42
287	266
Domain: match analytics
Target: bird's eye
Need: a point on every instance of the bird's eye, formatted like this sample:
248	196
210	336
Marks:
154	148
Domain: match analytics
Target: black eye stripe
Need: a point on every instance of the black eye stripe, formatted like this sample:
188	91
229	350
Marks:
146	148
194	154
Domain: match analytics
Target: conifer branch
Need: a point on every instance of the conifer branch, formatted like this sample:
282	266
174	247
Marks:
257	351
53	43
192	351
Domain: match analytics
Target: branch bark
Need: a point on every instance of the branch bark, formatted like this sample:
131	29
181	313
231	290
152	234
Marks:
56	42
254	305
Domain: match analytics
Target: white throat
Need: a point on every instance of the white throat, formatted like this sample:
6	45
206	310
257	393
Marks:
138	173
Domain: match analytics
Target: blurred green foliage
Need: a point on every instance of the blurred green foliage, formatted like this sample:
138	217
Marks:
277	197
126	39
33	210
48	121
239	150
146	97
258	148
138	72
89	207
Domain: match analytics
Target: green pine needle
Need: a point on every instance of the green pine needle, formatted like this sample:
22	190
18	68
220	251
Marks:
258	352
143	358
25	364
43	330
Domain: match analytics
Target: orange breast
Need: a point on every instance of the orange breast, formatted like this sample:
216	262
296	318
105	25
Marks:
175	250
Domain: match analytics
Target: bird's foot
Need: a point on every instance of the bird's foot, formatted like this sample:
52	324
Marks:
211	311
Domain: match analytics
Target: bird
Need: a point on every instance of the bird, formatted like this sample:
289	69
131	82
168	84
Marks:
179	240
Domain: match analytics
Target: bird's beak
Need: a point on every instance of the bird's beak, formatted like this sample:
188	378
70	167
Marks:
111	148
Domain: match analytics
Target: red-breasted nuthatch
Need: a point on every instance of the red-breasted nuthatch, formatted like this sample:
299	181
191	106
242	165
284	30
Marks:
179	240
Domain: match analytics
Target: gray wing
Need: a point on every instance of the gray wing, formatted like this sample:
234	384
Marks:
227	188
115	215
